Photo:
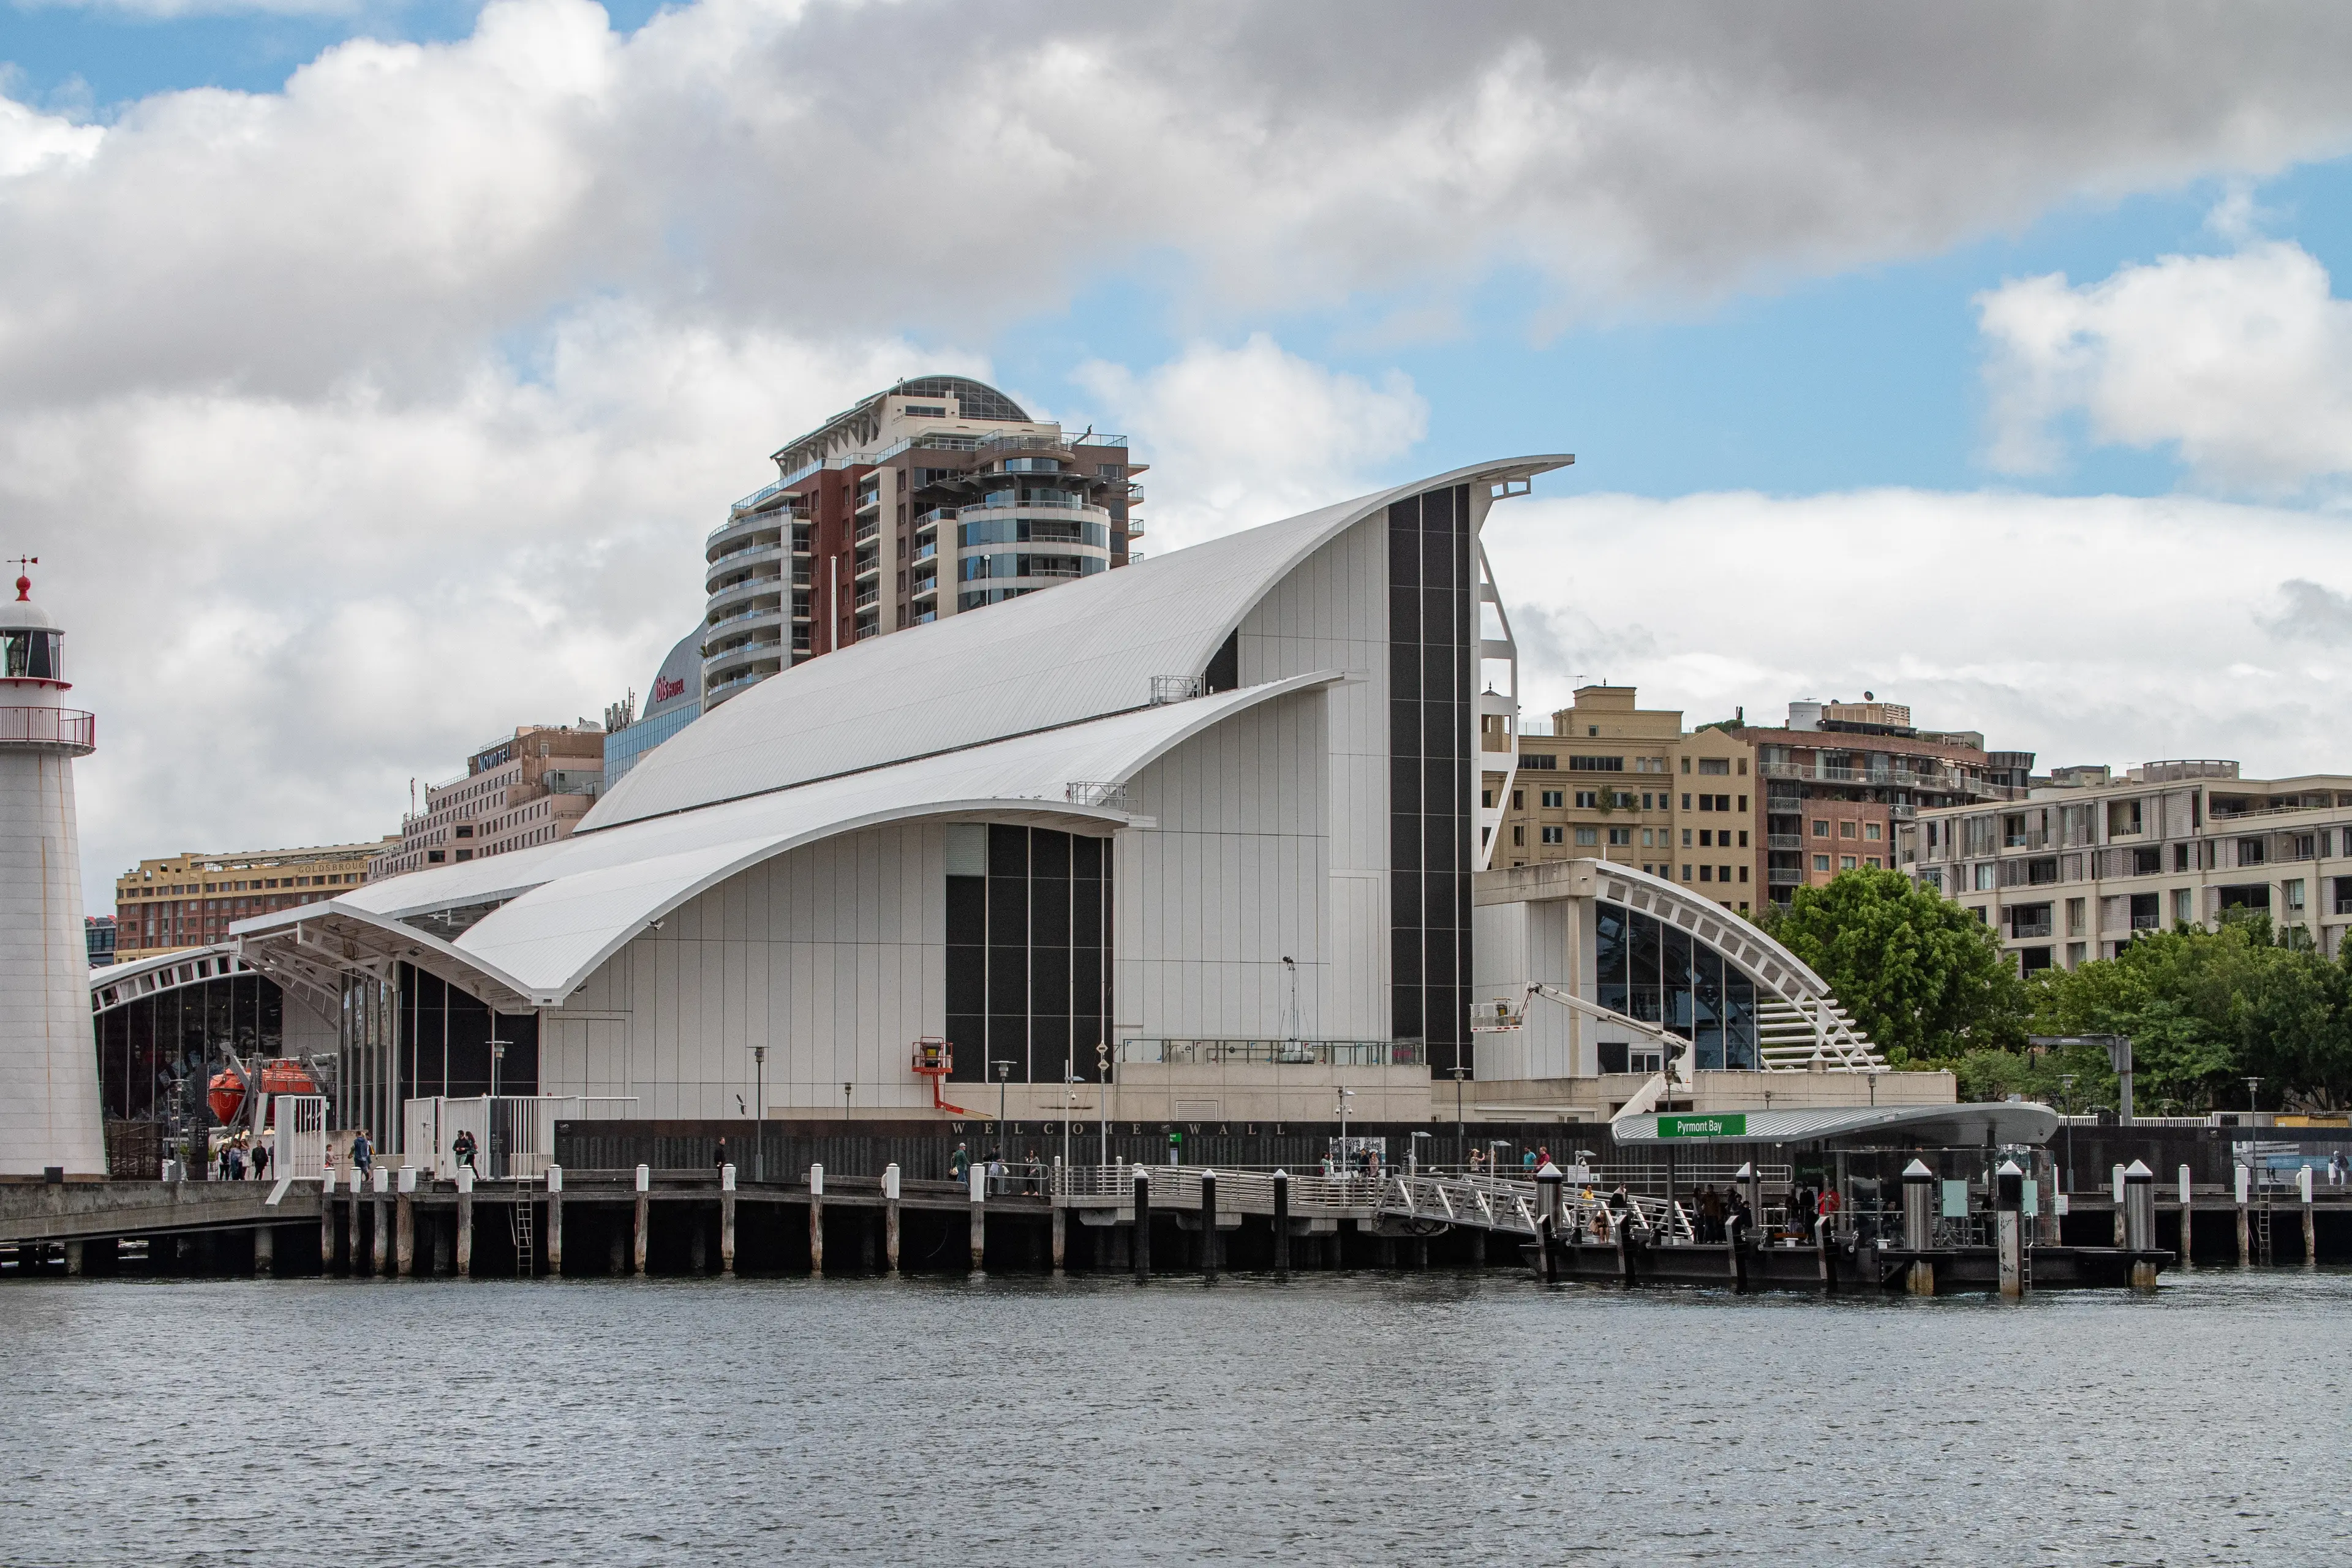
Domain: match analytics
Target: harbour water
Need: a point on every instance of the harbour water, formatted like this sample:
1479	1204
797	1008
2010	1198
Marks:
1345	1419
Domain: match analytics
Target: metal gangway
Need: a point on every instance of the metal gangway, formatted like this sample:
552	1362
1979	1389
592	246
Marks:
1501	1203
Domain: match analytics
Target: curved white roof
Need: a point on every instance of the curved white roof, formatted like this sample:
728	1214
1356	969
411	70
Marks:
1075	652
564	907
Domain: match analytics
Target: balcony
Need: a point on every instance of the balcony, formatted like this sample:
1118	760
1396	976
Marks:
1784	841
1782	877
867	529
2023	930
925	589
730	599
866	596
68	730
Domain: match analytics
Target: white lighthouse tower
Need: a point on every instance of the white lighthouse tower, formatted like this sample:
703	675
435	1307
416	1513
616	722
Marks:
49	1117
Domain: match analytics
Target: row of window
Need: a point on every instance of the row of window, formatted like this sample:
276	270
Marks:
254	885
1847	862
1870	830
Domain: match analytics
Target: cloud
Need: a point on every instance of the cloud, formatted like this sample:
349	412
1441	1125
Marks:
32	142
2242	363
2312	613
1244	436
2104	629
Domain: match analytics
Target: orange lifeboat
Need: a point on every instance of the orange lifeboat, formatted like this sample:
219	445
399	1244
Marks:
277	1075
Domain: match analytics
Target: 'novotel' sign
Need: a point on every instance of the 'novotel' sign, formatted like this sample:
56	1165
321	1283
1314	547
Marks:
1732	1126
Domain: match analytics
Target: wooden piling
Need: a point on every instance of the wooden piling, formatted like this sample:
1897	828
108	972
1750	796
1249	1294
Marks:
2245	1239
816	1222
554	1221
405	1237
1142	1241
265	1250
1282	1225
1207	1225
465	1222
73	1259
890	1215
727	1221
1061	1236
380	1242
641	1219
327	1226
2188	1218
353	1258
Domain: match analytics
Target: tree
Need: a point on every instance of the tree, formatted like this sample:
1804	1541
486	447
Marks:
1923	976
2205	1008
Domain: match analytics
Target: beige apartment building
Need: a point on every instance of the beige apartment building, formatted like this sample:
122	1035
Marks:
2087	859
531	787
188	899
1613	780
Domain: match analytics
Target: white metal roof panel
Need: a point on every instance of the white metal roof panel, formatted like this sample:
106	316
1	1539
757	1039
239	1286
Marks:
570	905
1076	651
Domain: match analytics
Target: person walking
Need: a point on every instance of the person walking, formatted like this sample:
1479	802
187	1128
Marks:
959	1165
261	1161
463	1149
719	1160
363	1153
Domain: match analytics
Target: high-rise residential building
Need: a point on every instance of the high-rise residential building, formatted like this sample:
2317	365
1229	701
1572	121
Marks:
531	787
937	496
1840	779
97	939
2074	869
673	702
188	899
1612	781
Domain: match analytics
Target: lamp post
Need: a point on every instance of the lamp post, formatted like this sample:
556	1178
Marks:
1344	1095
2066	1103
844	1100
759	1109
1004	1076
2252	1101
1102	1094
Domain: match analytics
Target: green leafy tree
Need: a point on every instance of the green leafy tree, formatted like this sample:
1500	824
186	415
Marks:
1923	976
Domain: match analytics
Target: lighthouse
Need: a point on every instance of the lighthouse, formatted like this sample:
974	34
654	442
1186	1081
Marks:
49	1118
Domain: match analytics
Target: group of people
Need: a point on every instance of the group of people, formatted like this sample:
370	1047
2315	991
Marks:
1364	1160
1715	1211
241	1158
998	1175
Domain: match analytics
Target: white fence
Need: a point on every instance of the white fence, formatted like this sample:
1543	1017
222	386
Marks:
300	1153
513	1135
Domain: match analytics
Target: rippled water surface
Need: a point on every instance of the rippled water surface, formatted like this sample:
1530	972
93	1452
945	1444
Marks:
1358	1418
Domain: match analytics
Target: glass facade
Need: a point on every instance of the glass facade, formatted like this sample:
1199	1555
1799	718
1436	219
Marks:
179	1036
1028	952
625	747
1431	630
445	1042
1660	973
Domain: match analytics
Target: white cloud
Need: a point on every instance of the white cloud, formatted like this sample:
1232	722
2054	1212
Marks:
1244	436
2241	362
2105	629
31	142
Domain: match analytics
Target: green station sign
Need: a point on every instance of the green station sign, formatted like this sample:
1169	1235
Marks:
1732	1126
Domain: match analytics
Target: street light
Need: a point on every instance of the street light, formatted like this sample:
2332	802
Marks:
1344	1095
1461	1137
1102	1094
2066	1100
2253	1084
1003	1076
759	1109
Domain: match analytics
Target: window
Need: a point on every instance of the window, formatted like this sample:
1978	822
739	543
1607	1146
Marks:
2181	856
1872	831
1687	838
2252	852
1518	800
2343	894
1686	769
1846	862
1743	872
1821	828
2147	862
1645	839
1538	760
1588	835
2123	816
1553	836
1821	862
1714	765
1743	805
1707	838
1686	870
1987	877
1743	773
2293	897
1554	798
1706	873
1686	804
1519	838
2074	914
2076	952
1586	799
2184	902
1872	861
1846	831
1592	729
2143	912
1623	836
1743	839
1596	765
435	856
1486	798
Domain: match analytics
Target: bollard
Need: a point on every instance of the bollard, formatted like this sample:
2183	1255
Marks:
1547	1249
890	1215
1549	1182
1825	1255
2245	1234
1619	1224
2188	1218
1281	1223
2008	1205
2310	1231
265	1250
404	1247
1208	1225
2140	1223
641	1221
465	1222
554	1221
2116	1182
1919	1225
979	1178
1735	1232
1142	1247
727	1221
816	1222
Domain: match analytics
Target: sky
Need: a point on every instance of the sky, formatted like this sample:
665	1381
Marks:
371	371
